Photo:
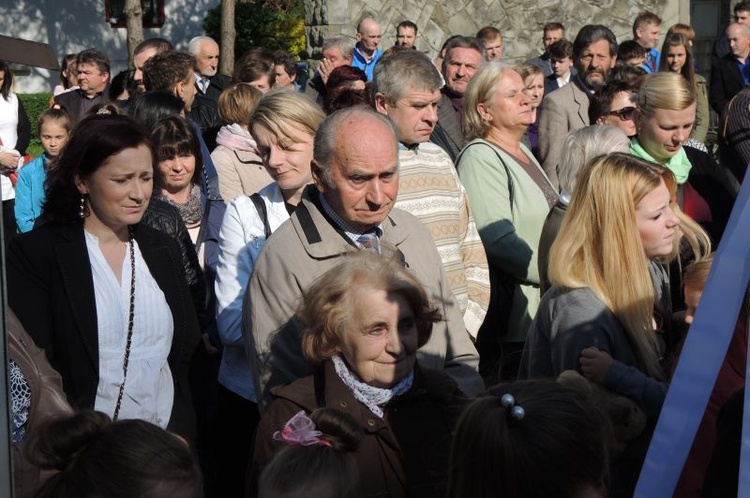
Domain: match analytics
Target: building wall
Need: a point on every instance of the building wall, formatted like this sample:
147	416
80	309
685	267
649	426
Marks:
520	21
70	26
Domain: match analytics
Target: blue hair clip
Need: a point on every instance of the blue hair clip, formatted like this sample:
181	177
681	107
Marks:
516	411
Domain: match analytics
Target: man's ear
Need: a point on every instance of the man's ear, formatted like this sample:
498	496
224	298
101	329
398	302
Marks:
380	104
317	172
179	89
358	37
614	60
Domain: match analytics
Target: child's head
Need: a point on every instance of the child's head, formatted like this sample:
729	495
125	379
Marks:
631	52
318	463
529	439
54	128
694	280
647	29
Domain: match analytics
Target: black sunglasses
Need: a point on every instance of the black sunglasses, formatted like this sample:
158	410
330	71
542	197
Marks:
625	114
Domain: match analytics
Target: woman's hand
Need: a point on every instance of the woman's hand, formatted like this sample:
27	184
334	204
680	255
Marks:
9	161
595	364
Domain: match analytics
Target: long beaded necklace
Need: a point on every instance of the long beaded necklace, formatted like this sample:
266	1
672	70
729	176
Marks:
130	325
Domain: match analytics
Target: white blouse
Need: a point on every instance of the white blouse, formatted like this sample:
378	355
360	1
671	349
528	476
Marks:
9	136
149	387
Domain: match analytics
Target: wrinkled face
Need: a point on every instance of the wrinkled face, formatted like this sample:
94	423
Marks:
663	133
509	108
286	160
692	298
405	36
207	59
263	83
90	79
53	136
364	173
551	37
177	172
739	43
621	114
414	115
534	89
676	55
118	192
369	35
380	345
335	57
282	80
657	223
594	63
460	67
138	61
648	35
494	48
561	67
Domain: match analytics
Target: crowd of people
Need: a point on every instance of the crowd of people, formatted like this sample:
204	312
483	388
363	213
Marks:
399	277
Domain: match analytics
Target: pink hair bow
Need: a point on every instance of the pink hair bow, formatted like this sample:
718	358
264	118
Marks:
300	430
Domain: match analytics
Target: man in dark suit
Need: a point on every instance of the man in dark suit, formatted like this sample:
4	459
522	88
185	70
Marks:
561	59
731	73
93	85
208	83
463	56
742	16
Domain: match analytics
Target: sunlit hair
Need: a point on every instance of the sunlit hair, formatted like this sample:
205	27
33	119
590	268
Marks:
278	109
688	69
237	103
400	73
599	245
583	145
527	71
695	275
328	305
59	116
559	448
174	137
480	91
683	29
664	90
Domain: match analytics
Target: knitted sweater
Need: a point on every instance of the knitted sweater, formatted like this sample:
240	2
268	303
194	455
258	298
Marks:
429	189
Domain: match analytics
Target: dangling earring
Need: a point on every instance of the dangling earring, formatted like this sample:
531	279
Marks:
82	208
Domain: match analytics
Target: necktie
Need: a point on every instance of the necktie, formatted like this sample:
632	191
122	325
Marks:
204	85
369	241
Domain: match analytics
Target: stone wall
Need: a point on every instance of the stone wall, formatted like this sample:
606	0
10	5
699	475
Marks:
520	21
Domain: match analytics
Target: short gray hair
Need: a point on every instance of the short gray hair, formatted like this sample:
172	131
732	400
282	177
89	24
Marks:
325	139
195	42
397	74
343	43
583	145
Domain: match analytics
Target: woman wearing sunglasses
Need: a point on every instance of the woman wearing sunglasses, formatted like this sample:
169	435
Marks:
664	119
612	105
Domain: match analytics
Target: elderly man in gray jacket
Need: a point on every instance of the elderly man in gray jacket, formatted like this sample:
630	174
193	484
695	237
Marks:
350	207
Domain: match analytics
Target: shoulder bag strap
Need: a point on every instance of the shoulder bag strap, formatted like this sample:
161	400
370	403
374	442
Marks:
260	206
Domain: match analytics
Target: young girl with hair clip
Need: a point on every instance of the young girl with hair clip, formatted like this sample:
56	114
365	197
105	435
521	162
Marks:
530	439
319	461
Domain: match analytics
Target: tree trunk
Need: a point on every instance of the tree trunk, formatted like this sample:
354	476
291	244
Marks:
134	23
228	33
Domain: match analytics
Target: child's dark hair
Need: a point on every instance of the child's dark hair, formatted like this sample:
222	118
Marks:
96	457
555	447
326	469
630	49
60	115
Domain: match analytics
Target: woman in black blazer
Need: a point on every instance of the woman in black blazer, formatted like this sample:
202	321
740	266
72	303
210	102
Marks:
103	295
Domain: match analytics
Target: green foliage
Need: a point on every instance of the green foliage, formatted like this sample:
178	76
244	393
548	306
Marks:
260	25
35	104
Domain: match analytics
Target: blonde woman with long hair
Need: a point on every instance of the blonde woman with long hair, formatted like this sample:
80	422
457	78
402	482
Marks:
608	311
